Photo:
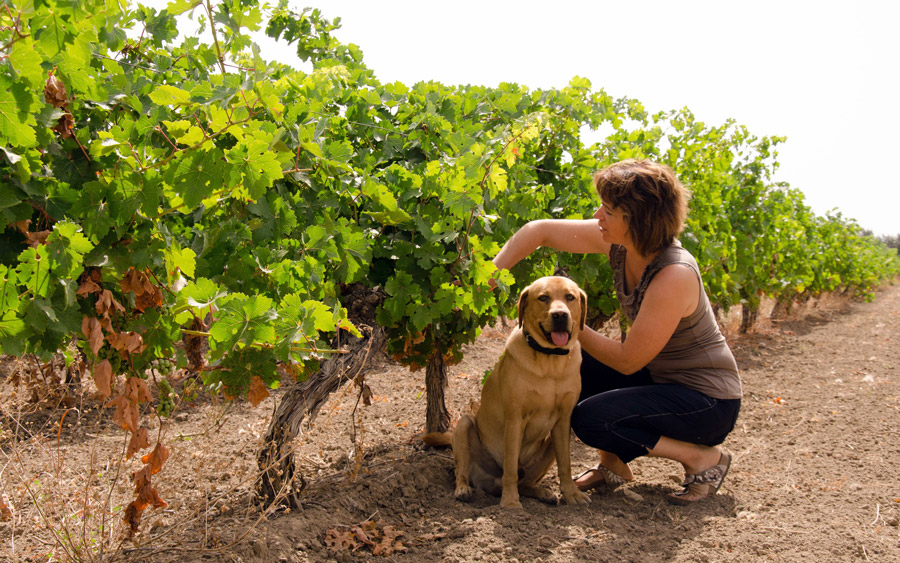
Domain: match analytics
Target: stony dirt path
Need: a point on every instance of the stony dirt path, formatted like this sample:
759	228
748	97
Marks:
818	443
815	473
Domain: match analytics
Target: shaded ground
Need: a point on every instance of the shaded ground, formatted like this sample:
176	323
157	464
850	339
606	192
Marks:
814	474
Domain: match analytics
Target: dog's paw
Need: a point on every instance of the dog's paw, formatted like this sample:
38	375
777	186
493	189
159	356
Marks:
577	497
510	501
542	494
464	493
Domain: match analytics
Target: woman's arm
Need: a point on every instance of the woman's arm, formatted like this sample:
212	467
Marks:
673	294
568	235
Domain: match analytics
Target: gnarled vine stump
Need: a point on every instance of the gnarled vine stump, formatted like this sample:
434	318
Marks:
279	479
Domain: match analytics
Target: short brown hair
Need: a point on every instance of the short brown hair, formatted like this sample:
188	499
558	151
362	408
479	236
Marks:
652	199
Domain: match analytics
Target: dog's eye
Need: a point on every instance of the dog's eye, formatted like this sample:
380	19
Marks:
544	298
570	297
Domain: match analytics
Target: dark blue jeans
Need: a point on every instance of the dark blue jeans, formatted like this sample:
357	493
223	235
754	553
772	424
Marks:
626	414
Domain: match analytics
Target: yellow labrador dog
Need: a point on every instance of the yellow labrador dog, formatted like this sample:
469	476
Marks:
522	423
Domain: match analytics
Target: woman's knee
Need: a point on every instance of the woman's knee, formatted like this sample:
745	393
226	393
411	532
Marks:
580	422
589	426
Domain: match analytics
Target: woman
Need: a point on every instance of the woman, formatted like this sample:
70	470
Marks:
671	389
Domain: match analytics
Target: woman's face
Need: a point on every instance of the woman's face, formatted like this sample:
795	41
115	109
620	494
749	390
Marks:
612	223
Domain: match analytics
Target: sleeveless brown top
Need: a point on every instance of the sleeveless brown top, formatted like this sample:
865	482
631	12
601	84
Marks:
696	354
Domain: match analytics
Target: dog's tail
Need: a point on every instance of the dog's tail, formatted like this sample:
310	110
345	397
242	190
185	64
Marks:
438	439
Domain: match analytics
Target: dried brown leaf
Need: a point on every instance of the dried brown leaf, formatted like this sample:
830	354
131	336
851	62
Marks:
382	539
150	496
87	287
137	390
146	294
156	458
55	92
388	547
132	517
258	391
361	535
36	238
90	327
133	281
139	440
146	494
128	342
338	540
106	303
150	298
103	378
141	479
126	414
389	543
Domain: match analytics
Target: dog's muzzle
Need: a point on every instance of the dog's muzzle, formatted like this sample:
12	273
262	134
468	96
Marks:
559	332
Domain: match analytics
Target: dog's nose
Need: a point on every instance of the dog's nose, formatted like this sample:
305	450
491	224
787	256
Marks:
560	320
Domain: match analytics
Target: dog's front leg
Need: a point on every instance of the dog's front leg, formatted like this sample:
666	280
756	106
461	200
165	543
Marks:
463	437
560	436
512	444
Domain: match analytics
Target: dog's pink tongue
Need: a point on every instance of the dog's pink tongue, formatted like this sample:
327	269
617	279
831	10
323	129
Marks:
560	338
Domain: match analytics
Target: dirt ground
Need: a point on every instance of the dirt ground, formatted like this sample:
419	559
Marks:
814	477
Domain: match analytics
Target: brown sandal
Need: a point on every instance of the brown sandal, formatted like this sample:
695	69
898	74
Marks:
703	484
608	478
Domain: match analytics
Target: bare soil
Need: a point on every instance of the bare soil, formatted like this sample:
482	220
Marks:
814	477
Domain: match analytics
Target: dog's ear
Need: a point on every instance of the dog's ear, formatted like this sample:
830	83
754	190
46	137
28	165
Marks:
583	296
523	301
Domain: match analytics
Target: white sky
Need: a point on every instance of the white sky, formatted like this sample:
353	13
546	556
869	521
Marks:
821	73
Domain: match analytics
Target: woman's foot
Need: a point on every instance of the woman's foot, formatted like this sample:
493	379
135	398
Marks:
698	486
599	476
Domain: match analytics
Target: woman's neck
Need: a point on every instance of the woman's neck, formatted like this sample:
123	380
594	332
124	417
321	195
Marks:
635	264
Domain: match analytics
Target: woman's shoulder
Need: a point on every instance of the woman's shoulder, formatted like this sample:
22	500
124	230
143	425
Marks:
676	253
674	265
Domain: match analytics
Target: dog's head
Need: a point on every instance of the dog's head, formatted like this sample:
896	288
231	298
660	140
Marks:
553	311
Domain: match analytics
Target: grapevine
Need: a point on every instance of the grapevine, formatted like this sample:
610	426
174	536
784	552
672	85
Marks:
171	204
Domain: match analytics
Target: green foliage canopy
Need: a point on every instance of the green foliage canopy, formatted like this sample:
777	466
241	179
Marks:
256	192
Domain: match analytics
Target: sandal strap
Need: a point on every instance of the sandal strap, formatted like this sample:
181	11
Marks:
610	477
712	475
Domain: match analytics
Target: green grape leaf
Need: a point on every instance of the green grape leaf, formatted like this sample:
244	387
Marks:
178	7
256	166
195	175
383	198
242	321
201	293
167	95
34	271
184	259
9	292
11	329
16	114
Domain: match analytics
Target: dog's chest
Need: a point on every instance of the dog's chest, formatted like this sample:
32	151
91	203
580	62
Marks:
545	370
